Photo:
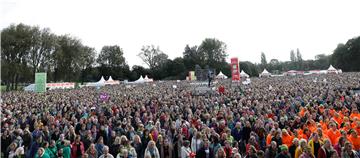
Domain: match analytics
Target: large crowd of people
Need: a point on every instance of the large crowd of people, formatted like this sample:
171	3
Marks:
315	116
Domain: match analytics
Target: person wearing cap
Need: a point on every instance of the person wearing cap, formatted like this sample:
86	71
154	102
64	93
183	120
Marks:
283	152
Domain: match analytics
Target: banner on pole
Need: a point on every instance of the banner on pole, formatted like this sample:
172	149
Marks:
40	82
235	73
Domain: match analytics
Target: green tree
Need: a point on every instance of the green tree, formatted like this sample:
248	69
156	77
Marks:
192	57
152	56
213	51
292	56
66	59
250	68
263	60
347	56
299	59
111	56
15	47
43	45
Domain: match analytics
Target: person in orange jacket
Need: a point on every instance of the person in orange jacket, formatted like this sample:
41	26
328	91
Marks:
269	137
286	138
333	133
354	138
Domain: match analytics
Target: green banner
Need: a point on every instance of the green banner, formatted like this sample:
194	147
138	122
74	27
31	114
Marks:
40	82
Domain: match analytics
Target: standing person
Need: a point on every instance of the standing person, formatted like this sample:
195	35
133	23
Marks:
66	150
205	151
315	144
52	149
106	153
354	138
283	152
348	151
325	150
196	142
35	147
271	151
92	152
166	149
138	146
77	148
333	133
300	149
100	145
293	147
185	149
41	154
152	150
307	153
340	145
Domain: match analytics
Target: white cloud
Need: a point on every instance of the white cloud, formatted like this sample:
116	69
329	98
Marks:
247	27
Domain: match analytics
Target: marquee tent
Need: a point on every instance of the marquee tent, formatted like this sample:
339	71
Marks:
110	81
331	70
265	73
221	76
243	74
147	79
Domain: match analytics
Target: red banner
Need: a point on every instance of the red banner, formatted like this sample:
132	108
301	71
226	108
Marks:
235	73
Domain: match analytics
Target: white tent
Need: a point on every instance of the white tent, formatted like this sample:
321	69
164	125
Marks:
99	83
221	76
147	79
30	88
110	81
265	73
102	80
332	70
243	74
140	80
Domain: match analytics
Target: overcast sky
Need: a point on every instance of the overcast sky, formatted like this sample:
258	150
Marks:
247	27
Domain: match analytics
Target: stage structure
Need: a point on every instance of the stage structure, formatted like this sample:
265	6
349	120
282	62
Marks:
235	73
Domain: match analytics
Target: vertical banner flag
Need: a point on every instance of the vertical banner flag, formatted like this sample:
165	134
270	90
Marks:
104	97
192	76
40	82
235	74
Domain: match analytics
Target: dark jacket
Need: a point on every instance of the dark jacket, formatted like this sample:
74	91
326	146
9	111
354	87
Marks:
202	154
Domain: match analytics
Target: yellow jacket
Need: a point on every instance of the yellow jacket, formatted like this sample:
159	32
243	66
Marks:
311	145
298	152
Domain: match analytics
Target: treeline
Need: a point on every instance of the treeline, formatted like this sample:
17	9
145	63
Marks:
28	49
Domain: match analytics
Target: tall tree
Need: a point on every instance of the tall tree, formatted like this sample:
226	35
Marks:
298	55
263	60
213	51
152	56
42	47
15	47
67	58
347	56
112	56
192	57
292	56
